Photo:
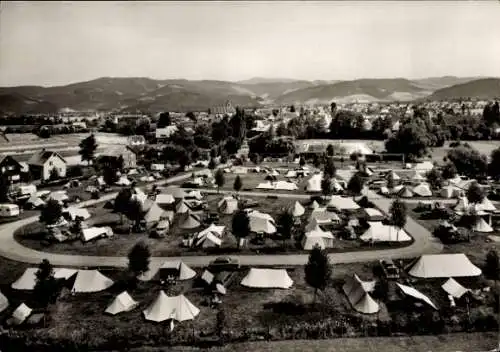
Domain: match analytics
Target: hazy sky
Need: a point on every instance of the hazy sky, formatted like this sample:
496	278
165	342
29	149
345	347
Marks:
61	42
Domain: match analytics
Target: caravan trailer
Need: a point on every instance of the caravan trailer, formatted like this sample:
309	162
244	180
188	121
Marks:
9	210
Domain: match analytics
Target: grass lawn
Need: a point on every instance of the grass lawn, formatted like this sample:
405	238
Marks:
32	236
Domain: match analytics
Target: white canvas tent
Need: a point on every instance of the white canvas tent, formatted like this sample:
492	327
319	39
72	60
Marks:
373	214
317	236
122	303
314	183
482	226
21	313
357	293
454	289
181	207
379	232
314	205
342	203
182	271
417	177
91	233
4	302
35	201
443	265
405	192
267	278
64	273
410	291
91	281
154	214
424	166
190	222
450	192
164	199
210	237
285	186
422	190
176	308
73	213
60	196
297	209
26	281
227	205
394	175
265	185
324	217
260	222
123	181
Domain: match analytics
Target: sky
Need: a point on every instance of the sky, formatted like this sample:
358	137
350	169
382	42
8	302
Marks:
56	43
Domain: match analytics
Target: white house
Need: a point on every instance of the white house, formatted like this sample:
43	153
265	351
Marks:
42	163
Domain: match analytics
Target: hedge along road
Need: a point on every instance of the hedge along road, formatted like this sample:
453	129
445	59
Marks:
423	242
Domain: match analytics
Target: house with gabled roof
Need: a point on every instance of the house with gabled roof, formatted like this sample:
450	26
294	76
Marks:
43	162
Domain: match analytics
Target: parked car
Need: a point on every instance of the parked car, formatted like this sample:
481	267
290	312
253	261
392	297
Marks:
389	269
224	264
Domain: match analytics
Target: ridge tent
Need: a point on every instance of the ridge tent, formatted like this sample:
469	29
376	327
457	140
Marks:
265	185
424	166
396	189
175	191
325	217
410	291
190	222
59	196
482	226
267	278
316	236
91	233
177	269
417	177
454	289
123	181
182	207
297	209
394	175
91	281
164	199
176	308
193	194
285	186
139	195
422	190
154	214
64	273
443	265
291	174
122	303
73	213
405	192
357	293
373	214
21	313
228	205
210	237
379	232
4	302
260	222
342	203
314	205
450	192
314	183
27	280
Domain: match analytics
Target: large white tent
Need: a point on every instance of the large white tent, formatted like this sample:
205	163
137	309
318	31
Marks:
91	281
285	186
410	291
422	190
316	236
482	226
181	270
379	232
122	303
177	308
27	280
267	278
91	233
443	265
210	237
4	302
357	293
261	222
342	203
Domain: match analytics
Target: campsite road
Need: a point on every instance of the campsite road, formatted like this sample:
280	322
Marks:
11	249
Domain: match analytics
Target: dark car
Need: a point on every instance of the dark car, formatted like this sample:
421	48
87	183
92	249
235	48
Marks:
389	269
224	264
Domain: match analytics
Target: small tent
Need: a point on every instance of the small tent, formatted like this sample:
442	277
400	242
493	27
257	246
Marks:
91	281
123	181
228	205
482	226
317	236
357	293
454	289
450	192
267	278
297	209
285	186
314	183
373	214
486	205
405	192
154	214
443	265
35	201
122	303
260	222
74	213
190	222
342	203
210	237
91	233
422	190
176	269
379	232
410	291
59	196
417	177
424	166
324	217
21	313
27	280
4	302
394	175
164	199
265	185
176	308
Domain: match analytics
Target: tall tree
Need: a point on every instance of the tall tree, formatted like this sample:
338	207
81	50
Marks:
88	147
326	186
4	189
45	290
110	175
318	270
492	265
475	193
398	213
240	225
138	259
134	211
220	324
302	161
212	164
391	182
51	212
122	202
219	179
329	150
494	166
435	178
330	169
285	225
468	161
449	171
164	120
411	139
237	183
355	184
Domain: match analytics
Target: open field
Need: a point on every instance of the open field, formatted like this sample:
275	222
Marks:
119	245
